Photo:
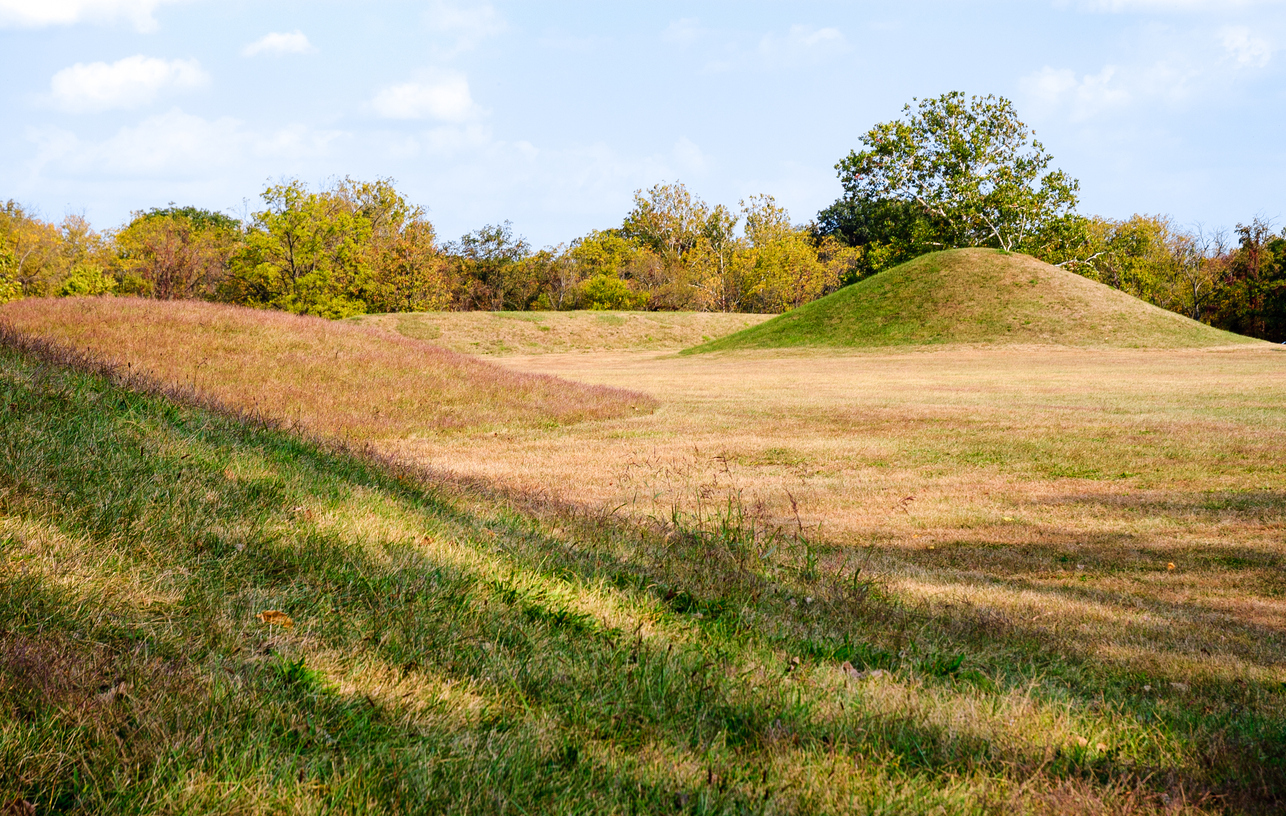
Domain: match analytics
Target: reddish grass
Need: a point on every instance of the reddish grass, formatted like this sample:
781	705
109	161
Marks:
337	379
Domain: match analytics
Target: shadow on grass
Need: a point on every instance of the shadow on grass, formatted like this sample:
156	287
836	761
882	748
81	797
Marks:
569	707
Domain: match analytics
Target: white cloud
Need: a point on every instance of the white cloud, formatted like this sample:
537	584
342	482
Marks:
802	43
128	83
1175	70
290	42
731	50
469	25
1247	50
38	13
444	97
1081	97
177	144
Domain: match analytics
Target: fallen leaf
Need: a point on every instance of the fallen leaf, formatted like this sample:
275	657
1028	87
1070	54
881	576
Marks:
112	694
1081	741
1179	686
1170	566
852	672
1101	747
274	618
1009	518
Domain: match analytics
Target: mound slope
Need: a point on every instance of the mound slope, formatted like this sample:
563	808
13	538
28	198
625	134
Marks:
977	296
509	333
334	378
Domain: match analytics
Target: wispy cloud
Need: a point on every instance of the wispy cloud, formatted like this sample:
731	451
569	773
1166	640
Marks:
736	50
40	13
802	43
466	25
1118	6
1177	71
289	42
1078	97
683	31
1247	50
176	145
127	83
442	96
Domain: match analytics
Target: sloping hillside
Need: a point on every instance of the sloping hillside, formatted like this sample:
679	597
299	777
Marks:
977	296
334	378
506	333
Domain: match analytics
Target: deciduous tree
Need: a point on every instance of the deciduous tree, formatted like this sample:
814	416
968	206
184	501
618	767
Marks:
970	165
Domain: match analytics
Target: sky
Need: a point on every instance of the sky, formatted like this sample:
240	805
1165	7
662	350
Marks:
551	115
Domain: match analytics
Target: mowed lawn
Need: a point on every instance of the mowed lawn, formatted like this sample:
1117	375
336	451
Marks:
1003	579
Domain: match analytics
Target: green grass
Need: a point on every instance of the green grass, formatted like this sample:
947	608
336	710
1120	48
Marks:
976	296
452	654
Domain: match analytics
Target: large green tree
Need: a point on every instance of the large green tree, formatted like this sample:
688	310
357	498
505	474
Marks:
970	166
306	252
343	250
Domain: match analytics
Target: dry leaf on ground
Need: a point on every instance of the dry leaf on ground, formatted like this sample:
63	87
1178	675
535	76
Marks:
274	618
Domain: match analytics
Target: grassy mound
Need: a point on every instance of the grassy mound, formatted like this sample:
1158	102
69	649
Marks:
977	296
503	333
335	378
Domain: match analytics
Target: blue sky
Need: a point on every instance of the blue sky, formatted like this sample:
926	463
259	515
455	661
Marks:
551	114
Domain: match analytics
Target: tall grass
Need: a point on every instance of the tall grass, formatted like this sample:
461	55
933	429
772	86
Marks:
436	651
357	383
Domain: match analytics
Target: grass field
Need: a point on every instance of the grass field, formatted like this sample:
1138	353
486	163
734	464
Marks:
1022	579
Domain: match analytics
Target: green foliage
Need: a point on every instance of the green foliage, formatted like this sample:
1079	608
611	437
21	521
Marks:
495	270
305	253
889	231
970	165
608	292
1241	289
1251	298
196	216
604	252
10	288
86	279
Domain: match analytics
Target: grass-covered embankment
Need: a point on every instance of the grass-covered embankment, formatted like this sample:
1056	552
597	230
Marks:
358	382
515	333
449	654
976	296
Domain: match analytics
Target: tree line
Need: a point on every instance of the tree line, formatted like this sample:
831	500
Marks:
954	171
355	247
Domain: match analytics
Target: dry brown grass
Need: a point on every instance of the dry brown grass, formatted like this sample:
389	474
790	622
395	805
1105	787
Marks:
504	333
1042	491
332	378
